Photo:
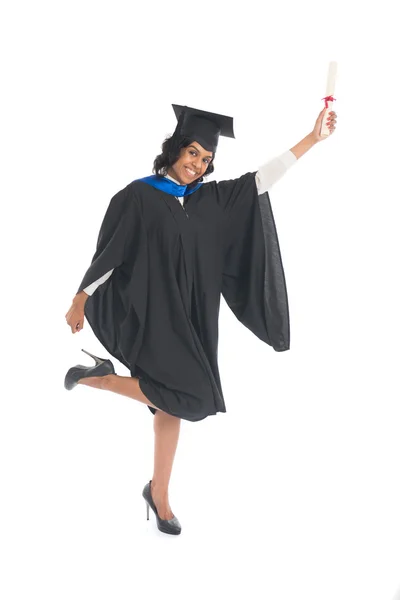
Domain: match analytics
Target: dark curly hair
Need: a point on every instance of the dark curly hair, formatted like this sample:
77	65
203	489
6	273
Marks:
171	149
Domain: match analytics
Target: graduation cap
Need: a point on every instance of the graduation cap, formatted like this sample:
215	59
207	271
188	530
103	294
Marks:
204	127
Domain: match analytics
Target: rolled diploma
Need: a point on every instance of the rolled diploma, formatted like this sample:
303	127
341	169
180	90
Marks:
330	89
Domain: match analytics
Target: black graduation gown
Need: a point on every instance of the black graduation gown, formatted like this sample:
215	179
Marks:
158	312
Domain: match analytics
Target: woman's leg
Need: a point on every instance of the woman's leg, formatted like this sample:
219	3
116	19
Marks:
166	435
125	386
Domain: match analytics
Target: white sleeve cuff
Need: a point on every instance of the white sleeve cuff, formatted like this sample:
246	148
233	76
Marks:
93	286
272	171
288	158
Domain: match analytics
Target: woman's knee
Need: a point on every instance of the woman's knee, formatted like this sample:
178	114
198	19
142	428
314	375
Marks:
163	418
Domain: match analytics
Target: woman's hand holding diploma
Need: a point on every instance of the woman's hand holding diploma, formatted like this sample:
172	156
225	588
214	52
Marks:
325	124
315	136
330	123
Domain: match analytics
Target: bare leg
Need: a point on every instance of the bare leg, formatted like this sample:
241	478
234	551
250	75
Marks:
125	386
166	435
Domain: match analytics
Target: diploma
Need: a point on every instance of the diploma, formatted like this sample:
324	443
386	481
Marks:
330	89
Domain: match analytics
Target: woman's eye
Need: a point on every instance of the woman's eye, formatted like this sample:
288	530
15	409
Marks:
206	159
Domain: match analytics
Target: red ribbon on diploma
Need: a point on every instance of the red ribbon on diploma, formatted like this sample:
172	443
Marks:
328	99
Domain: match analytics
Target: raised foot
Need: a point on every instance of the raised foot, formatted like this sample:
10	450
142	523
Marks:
96	382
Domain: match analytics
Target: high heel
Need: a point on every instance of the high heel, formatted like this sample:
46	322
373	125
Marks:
95	358
165	525
102	367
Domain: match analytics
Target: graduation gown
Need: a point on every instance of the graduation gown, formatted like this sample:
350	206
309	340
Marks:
158	312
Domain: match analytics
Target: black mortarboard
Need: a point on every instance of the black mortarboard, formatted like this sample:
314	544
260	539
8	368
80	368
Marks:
202	126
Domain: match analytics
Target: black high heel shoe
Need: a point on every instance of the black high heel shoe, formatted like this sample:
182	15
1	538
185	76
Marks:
102	367
165	525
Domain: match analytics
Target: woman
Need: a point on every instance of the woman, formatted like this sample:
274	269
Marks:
168	246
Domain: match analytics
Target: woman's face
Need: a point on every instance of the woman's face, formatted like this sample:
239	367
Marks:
191	164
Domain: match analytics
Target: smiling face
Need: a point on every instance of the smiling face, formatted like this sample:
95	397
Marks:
191	164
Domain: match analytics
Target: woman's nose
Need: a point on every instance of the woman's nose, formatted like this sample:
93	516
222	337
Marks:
197	163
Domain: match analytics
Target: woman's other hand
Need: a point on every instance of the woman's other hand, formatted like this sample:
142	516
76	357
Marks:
75	317
318	123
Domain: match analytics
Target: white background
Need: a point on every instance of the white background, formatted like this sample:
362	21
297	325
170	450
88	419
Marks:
294	492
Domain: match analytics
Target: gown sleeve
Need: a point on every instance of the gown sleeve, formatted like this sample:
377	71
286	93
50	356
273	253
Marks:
253	279
116	310
115	239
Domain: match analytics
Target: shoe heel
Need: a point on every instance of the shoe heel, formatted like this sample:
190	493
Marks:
147	506
97	360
